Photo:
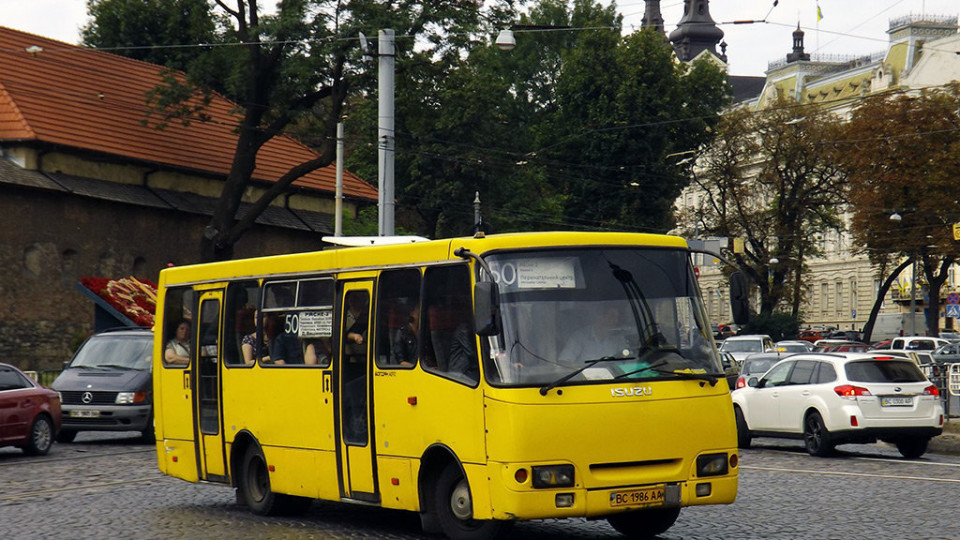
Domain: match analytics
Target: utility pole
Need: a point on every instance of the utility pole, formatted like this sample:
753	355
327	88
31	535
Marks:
386	134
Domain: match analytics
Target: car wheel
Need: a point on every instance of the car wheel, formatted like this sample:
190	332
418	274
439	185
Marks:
254	488
816	437
66	435
644	523
41	436
148	436
743	432
454	509
912	448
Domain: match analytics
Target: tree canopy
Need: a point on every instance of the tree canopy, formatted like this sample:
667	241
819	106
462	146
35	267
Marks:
902	156
575	128
771	178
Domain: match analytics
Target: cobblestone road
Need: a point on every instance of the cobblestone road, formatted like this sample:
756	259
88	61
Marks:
105	486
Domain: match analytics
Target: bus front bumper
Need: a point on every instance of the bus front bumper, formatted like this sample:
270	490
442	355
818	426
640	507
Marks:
578	501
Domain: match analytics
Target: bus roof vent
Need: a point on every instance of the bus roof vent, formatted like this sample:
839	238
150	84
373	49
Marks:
358	241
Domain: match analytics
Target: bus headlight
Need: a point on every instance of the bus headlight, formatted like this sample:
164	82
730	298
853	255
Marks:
712	465
552	476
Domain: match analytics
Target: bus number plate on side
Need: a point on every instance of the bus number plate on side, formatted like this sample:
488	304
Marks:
652	496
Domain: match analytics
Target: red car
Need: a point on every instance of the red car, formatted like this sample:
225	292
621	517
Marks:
29	413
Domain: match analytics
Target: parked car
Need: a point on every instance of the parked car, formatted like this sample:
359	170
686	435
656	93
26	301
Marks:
107	386
950	335
743	346
917	343
849	335
29	413
846	346
756	365
837	398
813	335
793	346
947	354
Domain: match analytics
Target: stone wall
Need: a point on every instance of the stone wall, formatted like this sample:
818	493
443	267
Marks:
49	240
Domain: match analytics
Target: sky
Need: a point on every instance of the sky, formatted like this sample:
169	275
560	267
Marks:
848	27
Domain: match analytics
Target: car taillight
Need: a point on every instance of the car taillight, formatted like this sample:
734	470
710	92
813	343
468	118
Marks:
741	382
931	390
848	390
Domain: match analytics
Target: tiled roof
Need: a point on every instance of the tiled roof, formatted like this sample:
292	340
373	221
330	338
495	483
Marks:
14	176
92	100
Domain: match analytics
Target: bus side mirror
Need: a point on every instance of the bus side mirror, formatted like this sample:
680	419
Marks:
486	311
739	302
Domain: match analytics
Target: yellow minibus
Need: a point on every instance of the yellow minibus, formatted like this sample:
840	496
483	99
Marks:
478	381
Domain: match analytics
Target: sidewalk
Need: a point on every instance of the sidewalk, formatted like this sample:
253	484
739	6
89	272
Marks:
949	441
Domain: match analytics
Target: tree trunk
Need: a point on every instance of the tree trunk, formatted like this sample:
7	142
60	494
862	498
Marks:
884	287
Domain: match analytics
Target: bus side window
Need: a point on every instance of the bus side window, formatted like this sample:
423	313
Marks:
398	318
450	341
241	301
179	305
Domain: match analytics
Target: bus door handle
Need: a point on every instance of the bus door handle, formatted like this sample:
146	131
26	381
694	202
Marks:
186	379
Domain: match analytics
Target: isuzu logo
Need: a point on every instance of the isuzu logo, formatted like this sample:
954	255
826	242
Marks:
631	391
87	397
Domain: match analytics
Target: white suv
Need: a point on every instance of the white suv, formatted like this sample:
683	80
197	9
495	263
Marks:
835	398
743	346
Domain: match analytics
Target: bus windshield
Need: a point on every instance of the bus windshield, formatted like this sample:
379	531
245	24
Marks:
593	315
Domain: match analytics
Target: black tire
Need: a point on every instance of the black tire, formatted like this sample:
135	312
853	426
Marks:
743	432
816	438
41	436
640	524
148	436
912	448
454	509
254	488
66	435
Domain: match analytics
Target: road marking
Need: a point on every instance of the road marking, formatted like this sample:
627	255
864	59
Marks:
864	475
896	460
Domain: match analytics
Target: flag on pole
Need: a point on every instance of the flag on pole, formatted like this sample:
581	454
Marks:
819	13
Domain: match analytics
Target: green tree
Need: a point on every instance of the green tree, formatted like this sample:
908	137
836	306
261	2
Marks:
902	156
294	66
771	178
573	128
164	32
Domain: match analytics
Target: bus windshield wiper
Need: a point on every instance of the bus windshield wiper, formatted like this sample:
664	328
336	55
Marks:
685	373
579	370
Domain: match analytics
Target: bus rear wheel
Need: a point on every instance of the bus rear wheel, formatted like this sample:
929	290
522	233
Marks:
254	488
453	505
641	524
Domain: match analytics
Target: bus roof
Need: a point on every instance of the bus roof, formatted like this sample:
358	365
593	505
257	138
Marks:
376	256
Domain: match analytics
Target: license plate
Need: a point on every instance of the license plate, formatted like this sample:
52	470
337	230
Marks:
896	401
652	496
84	414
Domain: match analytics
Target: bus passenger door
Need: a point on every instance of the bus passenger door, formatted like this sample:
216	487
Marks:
207	390
354	408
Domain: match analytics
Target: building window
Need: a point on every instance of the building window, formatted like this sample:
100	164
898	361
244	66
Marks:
839	297
824	298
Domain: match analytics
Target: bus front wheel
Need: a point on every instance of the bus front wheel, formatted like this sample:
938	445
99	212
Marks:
644	523
254	488
454	508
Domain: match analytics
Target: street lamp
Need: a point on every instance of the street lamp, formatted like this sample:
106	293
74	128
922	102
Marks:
897	218
506	41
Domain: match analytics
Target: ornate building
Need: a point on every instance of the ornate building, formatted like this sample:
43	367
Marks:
843	286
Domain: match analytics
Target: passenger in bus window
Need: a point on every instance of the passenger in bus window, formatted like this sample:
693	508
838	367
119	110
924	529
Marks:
462	356
318	351
249	346
403	350
177	350
285	349
356	323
